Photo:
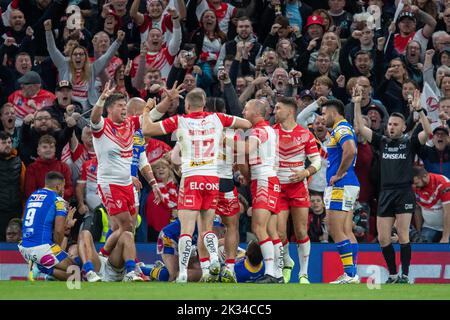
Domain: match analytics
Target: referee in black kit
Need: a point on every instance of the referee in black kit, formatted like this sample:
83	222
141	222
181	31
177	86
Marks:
396	201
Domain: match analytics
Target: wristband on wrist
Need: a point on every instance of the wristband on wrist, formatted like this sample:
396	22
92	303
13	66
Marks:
153	182
100	102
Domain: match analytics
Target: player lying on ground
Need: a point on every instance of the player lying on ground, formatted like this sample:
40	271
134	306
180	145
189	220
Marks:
120	265
46	225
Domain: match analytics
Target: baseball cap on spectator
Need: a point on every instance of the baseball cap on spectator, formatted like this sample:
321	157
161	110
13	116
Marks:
63	84
377	109
307	93
406	14
314	20
441	128
31	77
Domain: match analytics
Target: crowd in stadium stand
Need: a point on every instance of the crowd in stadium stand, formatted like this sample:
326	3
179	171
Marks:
57	56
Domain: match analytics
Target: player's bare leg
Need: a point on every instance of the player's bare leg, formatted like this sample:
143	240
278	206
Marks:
122	222
171	263
300	221
60	270
337	220
260	221
188	219
124	255
88	256
288	263
277	247
210	240
231	242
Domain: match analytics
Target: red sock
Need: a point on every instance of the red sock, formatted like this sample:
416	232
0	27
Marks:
104	252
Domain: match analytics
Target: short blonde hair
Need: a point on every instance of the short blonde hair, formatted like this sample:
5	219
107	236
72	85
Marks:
196	98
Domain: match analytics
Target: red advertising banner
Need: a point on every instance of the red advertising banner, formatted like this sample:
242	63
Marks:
426	267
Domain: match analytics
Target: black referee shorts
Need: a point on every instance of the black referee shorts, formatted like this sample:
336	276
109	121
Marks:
398	201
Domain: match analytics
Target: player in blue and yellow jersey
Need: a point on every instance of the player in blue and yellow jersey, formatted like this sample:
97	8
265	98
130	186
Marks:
342	186
251	267
46	223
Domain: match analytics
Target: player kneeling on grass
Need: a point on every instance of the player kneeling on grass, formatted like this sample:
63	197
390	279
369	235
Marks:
46	224
120	265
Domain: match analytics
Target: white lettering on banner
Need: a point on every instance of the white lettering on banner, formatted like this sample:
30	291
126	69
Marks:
203	186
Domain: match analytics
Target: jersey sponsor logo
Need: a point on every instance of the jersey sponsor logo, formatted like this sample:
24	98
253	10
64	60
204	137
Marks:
126	154
185	255
60	205
200	163
34	205
38	197
203	186
394	156
409	206
276	188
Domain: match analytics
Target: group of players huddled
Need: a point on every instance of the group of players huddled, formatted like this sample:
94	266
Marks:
202	243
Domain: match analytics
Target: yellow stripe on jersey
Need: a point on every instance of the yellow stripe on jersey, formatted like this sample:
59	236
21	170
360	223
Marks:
251	268
341	132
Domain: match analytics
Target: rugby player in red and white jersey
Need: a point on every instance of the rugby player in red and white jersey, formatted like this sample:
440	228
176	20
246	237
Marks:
199	135
161	55
296	144
433	197
113	144
261	148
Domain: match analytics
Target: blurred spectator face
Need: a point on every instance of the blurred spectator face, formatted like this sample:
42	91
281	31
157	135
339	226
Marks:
407	25
244	29
270	59
445	85
398	69
8	116
42	121
444	106
336	5
375	119
442	41
119	74
396	126
161	171
189	82
101	42
363	63
152	77
68	47
440	139
110	22
30	90
413	52
367	37
317	205
447	17
154	40
79	58
23	63
306	101
440	73
46	151
321	89
445	59
320	128
120	6
323	63
280	78
13	233
86	137
154	9
17	20
209	20
227	65
284	49
408	90
283	33
421	181
43	3
64	96
241	84
5	147
330	41
315	31
366	87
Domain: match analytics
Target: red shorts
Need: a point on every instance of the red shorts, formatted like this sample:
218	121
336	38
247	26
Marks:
293	195
228	203
265	194
117	199
198	193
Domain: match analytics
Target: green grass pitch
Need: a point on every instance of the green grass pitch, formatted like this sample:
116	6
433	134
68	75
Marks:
213	291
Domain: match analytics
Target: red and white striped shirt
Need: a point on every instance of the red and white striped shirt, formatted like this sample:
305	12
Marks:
22	106
164	24
294	147
161	60
113	144
89	175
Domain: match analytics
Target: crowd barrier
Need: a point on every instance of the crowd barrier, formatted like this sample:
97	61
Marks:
430	263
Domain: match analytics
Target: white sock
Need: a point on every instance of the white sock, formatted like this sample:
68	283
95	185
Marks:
268	255
212	245
278	256
204	264
288	262
229	263
304	249
184	253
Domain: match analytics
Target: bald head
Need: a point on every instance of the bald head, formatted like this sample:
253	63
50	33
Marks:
255	110
135	106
